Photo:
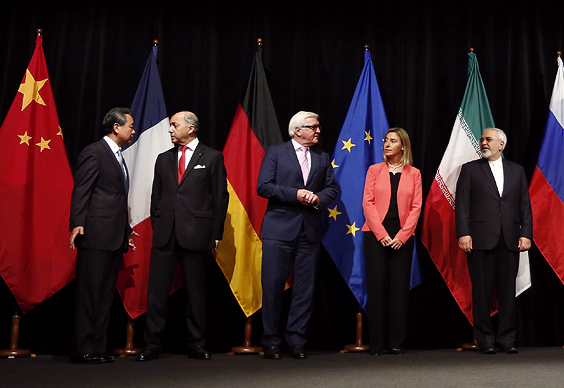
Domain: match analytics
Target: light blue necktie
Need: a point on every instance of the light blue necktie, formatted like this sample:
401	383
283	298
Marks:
122	164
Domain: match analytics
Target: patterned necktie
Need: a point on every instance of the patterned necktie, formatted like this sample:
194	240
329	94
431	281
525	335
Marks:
182	163
304	163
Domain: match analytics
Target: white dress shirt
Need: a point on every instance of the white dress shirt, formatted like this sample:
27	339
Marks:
497	170
189	151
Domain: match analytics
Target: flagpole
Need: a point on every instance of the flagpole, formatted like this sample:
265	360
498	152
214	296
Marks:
358	346
474	344
14	352
247	348
130	330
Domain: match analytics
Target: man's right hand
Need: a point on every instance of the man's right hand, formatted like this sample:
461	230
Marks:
465	244
76	231
307	197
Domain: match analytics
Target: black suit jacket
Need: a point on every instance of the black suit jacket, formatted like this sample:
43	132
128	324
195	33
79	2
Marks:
279	180
482	213
99	200
195	209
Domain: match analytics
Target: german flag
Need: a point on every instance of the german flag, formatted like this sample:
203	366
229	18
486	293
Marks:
254	129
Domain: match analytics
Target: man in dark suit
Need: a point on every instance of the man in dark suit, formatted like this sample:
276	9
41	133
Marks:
188	208
493	224
297	179
100	230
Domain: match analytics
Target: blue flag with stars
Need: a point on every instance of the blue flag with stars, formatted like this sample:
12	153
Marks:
358	147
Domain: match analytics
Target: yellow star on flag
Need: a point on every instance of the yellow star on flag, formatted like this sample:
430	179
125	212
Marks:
333	164
352	229
24	138
368	137
60	133
348	145
334	213
44	144
30	90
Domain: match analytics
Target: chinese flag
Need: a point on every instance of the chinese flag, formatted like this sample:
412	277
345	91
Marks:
35	192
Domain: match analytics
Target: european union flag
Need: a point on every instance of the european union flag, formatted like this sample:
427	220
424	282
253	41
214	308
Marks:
359	146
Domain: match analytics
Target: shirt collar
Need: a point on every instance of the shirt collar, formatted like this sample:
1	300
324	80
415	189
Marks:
496	163
297	145
113	146
193	144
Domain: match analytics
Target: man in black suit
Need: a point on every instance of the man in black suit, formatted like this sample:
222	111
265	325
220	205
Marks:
297	179
100	230
188	208
493	224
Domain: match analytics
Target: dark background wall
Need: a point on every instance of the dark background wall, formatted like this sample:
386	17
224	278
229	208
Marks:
313	54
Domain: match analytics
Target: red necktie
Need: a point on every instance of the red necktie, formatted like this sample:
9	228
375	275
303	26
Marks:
182	163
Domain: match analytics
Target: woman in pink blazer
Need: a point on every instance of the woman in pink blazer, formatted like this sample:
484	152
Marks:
392	204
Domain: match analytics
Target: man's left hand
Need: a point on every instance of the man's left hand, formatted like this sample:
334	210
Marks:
524	244
131	242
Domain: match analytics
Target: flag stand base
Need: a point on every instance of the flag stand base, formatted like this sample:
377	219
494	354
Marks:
129	349
469	346
247	348
14	352
358	347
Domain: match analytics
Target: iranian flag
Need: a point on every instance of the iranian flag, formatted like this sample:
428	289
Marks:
439	226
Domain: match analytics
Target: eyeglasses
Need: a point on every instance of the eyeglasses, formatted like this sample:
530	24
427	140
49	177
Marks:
312	127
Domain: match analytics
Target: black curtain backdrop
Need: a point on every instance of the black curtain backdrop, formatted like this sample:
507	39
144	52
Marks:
313	54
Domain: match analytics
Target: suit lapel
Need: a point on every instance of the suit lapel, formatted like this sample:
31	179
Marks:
196	156
485	166
115	163
314	162
291	153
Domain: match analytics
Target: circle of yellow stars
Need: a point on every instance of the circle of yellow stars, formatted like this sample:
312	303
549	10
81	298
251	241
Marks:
333	213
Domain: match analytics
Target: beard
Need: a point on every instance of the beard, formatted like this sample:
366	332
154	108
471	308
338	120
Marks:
487	153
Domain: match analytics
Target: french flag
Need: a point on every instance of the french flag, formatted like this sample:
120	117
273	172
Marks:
547	186
150	139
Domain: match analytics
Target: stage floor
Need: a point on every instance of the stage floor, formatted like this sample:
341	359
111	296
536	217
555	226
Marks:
532	367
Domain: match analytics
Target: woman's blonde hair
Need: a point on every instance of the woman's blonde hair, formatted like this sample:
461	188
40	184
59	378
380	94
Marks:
406	157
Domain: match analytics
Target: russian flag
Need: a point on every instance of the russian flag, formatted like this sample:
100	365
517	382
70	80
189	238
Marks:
150	139
547	186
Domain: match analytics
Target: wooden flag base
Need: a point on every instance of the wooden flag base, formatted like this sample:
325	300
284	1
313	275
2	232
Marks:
469	346
358	347
14	352
129	349
246	348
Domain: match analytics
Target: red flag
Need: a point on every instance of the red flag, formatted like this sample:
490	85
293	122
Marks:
35	192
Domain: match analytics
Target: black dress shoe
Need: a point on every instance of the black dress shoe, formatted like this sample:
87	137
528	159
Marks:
374	352
199	353
108	357
297	352
148	354
87	359
396	352
488	351
272	353
511	350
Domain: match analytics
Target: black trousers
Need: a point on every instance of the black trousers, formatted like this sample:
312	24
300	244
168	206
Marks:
497	268
388	274
96	278
161	275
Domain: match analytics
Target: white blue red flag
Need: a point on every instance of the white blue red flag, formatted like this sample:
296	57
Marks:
547	186
150	139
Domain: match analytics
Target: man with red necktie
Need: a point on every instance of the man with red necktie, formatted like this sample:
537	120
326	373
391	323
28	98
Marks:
188	208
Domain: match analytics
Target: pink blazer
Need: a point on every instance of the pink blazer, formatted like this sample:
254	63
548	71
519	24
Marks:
377	195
